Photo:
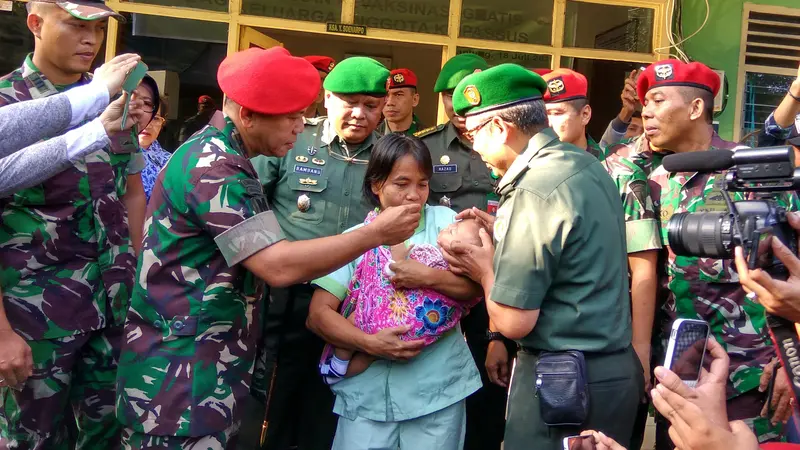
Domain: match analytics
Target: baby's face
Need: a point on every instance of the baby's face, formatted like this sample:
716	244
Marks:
466	231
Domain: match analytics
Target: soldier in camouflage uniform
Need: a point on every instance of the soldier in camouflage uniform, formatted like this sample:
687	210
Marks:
193	324
461	181
691	287
402	97
66	257
315	191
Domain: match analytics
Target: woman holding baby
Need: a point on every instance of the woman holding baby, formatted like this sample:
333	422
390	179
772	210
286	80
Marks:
398	363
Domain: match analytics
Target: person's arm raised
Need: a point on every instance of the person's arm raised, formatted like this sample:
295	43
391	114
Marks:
285	263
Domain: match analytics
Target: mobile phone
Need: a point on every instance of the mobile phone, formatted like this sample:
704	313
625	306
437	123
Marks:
131	82
579	443
686	349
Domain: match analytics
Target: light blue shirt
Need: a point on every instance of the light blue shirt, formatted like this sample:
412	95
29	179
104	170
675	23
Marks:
443	374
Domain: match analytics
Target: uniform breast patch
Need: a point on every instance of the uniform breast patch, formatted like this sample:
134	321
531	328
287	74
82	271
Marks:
255	194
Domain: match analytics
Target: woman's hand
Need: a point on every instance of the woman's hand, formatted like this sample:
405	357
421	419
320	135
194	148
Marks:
410	274
387	344
601	441
471	260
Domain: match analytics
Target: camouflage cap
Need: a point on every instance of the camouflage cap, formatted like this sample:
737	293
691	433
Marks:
87	9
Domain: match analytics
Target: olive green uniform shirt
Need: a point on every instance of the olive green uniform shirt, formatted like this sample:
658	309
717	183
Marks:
460	178
316	189
560	248
383	127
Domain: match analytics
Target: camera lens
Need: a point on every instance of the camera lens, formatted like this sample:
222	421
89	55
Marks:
707	235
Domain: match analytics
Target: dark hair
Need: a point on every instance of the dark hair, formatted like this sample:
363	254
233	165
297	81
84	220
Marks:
690	93
529	117
637	115
578	103
387	151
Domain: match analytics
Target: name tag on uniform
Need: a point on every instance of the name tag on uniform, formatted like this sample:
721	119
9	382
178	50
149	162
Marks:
445	168
305	169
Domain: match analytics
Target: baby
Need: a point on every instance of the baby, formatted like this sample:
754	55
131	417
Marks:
373	303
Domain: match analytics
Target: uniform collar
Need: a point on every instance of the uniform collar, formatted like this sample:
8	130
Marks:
226	126
329	136
541	140
452	134
37	82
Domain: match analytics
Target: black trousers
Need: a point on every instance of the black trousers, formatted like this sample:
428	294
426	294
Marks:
486	408
301	408
615	385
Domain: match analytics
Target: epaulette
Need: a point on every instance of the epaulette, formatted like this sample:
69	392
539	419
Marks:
431	130
314	120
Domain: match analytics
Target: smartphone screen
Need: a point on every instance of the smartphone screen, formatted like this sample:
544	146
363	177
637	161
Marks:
579	443
690	344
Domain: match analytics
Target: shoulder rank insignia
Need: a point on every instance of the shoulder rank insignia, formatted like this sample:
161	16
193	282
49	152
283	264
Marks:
308	181
430	130
301	158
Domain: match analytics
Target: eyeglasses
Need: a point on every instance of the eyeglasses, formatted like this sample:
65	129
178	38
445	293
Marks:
158	120
470	134
147	104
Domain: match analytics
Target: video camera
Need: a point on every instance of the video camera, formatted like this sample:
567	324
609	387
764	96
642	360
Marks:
751	224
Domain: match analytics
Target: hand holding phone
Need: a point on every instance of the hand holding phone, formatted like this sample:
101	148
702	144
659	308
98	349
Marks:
585	442
686	349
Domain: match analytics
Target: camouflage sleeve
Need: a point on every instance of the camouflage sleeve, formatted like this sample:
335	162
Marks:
136	164
268	170
641	226
232	208
789	200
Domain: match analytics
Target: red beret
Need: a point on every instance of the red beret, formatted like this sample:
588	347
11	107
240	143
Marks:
672	72
400	78
564	85
541	72
205	99
257	79
323	63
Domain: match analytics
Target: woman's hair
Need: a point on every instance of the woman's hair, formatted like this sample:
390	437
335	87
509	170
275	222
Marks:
163	106
388	150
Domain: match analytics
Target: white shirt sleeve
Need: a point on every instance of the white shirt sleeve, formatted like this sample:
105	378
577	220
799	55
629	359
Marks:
87	101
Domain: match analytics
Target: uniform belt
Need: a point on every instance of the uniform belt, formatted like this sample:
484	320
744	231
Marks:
586	355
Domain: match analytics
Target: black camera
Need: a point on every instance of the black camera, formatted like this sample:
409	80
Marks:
751	224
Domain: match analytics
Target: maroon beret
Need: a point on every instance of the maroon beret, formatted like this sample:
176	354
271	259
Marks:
400	78
259	80
323	63
564	85
673	72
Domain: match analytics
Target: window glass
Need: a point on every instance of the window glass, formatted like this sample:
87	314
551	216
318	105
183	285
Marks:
416	16
525	22
321	11
608	27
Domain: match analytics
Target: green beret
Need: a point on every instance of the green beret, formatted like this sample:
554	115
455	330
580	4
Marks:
358	75
495	88
456	69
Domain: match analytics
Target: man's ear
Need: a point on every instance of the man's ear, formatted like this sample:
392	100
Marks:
246	117
586	115
697	108
415	102
35	22
326	99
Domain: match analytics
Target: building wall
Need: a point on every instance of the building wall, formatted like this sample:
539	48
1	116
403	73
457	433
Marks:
718	44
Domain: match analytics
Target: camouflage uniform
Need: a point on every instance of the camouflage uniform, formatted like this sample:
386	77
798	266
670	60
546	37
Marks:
193	327
705	288
66	268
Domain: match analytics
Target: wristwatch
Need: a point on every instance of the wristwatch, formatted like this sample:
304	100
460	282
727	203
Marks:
493	335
